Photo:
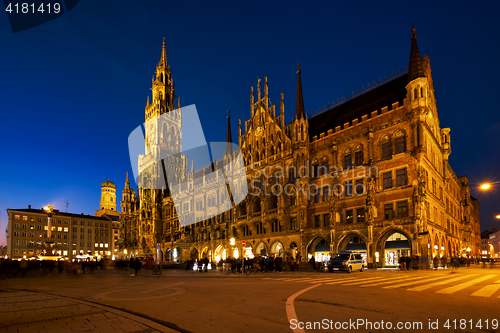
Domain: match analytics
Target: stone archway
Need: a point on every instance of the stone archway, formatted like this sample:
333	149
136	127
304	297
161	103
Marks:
277	249
220	253
391	245
318	247
355	241
261	249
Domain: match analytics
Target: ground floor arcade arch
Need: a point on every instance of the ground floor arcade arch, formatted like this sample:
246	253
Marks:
391	246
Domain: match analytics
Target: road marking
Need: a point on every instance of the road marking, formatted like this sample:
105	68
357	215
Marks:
266	278
301	279
351	279
387	282
453	289
290	309
413	282
440	283
373	280
488	290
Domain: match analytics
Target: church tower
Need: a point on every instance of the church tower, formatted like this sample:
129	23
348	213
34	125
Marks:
108	199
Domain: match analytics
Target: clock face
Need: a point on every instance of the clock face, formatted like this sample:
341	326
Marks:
259	131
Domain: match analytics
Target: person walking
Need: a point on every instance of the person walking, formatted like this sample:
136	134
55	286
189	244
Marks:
137	266
132	266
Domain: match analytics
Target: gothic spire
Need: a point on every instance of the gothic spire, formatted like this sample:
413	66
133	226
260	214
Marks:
163	54
415	68
299	104
127	183
229	140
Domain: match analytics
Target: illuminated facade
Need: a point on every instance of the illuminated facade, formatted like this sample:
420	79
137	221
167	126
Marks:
72	234
369	173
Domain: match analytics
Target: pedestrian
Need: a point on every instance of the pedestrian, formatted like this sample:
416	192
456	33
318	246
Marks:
402	263
312	261
132	266
137	266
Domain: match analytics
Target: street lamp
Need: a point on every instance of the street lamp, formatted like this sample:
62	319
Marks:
498	216
487	186
49	251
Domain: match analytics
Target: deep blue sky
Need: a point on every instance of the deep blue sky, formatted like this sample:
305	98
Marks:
73	89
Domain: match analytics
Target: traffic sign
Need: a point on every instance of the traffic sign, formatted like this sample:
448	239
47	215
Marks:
243	243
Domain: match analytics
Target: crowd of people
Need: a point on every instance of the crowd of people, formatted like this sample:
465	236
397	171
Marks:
417	262
13	268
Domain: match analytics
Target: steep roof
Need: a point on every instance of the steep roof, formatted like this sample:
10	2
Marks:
375	99
299	102
415	68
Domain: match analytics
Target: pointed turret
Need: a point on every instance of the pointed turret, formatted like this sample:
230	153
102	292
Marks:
163	53
127	183
415	68
229	139
299	104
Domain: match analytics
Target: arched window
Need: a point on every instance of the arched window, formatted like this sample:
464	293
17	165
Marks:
415	93
302	132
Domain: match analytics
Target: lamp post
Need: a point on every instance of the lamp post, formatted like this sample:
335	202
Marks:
49	251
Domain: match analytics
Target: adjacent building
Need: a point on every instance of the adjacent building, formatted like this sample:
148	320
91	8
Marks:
73	234
370	173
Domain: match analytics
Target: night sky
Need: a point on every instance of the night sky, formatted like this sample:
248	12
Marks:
73	89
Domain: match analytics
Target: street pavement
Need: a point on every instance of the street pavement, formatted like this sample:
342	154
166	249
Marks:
185	301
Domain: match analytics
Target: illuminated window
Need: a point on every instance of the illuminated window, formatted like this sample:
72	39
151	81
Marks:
348	216
25	218
360	215
16	217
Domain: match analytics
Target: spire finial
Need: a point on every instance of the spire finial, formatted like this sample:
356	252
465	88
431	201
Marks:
163	53
298	66
228	113
415	68
299	103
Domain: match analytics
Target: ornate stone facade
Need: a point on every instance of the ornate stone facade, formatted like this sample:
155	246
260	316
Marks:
370	174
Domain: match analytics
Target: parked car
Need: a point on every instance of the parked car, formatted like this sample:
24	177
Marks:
347	261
